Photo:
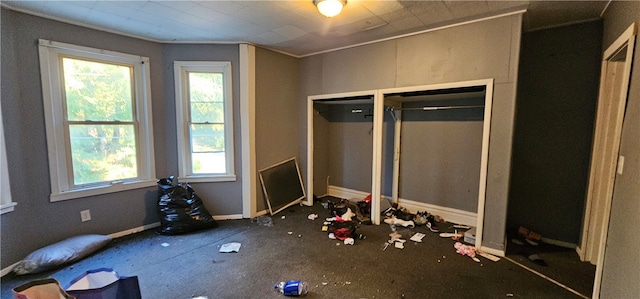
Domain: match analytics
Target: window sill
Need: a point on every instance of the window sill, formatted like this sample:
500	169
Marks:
207	179
100	190
8	207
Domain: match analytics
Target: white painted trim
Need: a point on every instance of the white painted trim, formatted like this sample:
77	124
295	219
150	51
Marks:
559	243
310	152
375	207
8	207
181	70
6	203
484	160
376	167
8	269
60	166
495	252
482	184
134	230
345	193
227	217
626	39
248	129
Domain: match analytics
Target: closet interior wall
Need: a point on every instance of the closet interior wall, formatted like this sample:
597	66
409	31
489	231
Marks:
439	151
343	147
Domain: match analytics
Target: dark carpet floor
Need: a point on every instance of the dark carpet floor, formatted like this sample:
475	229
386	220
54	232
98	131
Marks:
296	248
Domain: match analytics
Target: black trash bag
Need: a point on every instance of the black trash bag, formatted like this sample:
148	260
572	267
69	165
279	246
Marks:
180	209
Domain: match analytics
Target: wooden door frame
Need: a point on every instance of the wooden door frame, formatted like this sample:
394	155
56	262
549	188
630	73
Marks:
605	118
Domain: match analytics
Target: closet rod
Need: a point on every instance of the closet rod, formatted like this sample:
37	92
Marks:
432	108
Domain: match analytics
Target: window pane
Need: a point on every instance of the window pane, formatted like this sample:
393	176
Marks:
97	91
207	147
102	153
207	138
206	95
208	162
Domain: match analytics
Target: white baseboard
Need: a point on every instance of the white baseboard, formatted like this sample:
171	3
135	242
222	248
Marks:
448	214
134	230
495	252
349	194
8	270
228	217
560	243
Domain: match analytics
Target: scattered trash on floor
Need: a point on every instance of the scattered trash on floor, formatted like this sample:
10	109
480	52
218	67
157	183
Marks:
312	216
264	220
395	221
283	217
292	288
164	244
452	235
536	259
230	247
467	250
291	233
417	237
349	241
460	226
525	235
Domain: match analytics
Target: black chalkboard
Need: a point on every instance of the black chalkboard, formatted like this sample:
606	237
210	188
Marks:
282	185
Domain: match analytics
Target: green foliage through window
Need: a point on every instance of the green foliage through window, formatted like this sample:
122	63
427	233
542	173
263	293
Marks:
100	120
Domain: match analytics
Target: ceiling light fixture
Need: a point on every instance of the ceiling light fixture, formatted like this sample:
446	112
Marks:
330	8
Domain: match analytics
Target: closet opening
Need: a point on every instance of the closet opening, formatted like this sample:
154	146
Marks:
435	142
423	147
341	146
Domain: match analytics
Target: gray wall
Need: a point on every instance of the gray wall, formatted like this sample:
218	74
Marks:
440	155
621	260
557	97
222	198
276	111
36	222
344	144
487	49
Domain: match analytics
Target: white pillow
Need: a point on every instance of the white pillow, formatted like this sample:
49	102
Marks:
66	251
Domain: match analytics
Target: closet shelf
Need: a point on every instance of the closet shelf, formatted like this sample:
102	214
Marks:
433	108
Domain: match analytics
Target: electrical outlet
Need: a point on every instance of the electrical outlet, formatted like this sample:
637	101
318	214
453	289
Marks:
85	215
620	164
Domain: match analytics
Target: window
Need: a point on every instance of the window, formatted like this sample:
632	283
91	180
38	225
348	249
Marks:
6	205
98	118
204	121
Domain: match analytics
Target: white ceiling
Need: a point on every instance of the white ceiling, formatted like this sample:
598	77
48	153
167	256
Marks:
295	26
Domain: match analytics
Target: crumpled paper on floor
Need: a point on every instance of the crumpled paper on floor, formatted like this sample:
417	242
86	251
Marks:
230	247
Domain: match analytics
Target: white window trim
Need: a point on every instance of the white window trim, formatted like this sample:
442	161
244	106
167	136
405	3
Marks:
182	116
6	203
59	165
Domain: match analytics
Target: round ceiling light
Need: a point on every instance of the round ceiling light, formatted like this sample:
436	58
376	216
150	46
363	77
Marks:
330	8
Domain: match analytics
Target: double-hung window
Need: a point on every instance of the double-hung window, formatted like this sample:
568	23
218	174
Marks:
204	121
98	120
